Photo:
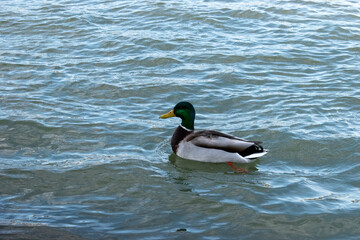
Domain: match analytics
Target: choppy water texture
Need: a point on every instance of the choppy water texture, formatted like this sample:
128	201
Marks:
83	153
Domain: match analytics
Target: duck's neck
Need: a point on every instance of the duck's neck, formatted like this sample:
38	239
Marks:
180	133
188	123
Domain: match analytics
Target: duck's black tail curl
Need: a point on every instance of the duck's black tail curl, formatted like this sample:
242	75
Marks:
251	150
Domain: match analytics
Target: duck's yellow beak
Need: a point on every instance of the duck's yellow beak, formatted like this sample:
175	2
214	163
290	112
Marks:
168	115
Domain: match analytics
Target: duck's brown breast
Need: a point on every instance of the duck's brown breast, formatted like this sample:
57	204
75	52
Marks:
179	134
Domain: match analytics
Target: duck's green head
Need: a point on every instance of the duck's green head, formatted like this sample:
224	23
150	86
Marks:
185	111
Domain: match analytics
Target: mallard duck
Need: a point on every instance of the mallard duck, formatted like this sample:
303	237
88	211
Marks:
209	145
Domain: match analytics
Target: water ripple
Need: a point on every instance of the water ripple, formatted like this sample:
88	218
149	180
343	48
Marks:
83	85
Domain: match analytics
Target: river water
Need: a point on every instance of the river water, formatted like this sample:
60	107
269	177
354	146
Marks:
84	155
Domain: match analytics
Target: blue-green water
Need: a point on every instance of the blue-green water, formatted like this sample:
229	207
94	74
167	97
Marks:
83	153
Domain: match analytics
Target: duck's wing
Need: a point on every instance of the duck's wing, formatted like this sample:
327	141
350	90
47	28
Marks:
222	141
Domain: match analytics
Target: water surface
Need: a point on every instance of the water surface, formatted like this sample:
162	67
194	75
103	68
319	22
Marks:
84	155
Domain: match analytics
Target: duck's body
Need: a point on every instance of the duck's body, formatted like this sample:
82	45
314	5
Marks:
209	145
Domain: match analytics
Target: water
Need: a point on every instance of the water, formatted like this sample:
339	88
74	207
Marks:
84	155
